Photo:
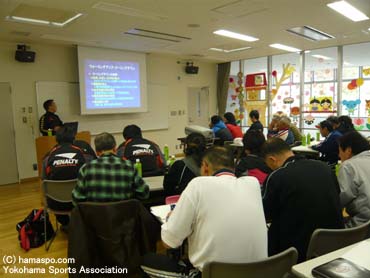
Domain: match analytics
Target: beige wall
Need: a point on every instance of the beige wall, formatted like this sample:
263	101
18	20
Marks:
59	63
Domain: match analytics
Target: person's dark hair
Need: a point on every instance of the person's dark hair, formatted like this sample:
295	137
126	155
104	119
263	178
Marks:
326	124
254	114
132	131
215	119
333	120
47	104
104	142
274	146
195	145
230	118
253	141
219	157
65	134
355	141
346	122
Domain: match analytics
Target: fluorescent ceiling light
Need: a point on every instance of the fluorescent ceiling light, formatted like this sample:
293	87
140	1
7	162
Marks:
67	21
307	51
347	64
42	22
285	47
230	50
321	57
348	10
27	20
234	35
310	33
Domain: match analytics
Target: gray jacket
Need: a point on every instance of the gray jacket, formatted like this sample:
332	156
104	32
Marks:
354	182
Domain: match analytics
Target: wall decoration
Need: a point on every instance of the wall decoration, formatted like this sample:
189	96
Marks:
366	71
288	100
355	83
294	113
287	72
254	83
351	105
237	97
309	119
321	104
359	123
260	106
368	123
367	106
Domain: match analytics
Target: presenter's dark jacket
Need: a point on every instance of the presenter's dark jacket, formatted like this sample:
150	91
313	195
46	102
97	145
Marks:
49	121
299	197
149	153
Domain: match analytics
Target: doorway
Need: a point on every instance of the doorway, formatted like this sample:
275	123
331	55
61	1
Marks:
198	106
8	158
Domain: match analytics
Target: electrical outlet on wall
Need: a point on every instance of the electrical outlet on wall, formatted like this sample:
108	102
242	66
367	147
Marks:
34	166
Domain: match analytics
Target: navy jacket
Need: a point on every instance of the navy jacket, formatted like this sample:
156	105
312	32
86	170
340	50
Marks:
329	148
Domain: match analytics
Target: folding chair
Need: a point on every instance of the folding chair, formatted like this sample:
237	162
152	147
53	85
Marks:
59	191
276	266
324	241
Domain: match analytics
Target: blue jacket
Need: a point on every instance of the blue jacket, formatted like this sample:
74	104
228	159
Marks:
218	126
329	148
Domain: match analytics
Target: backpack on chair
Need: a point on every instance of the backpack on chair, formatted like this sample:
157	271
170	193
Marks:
31	232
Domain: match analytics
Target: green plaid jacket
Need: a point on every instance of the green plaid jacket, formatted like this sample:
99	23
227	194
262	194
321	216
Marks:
108	179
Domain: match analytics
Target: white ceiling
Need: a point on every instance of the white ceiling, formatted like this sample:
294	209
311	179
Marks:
264	19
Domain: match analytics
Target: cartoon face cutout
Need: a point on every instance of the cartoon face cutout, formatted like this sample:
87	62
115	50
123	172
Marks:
325	104
315	104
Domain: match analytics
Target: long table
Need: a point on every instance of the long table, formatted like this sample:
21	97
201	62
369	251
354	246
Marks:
358	251
155	183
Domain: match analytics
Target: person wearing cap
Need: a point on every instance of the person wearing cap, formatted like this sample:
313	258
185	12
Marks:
329	147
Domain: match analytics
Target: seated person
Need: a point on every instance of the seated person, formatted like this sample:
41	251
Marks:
273	129
299	196
108	178
230	122
254	115
49	120
354	177
284	131
252	163
183	171
136	147
345	124
297	135
205	215
220	130
87	150
63	163
329	147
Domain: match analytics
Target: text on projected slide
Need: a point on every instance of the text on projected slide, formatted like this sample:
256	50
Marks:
111	84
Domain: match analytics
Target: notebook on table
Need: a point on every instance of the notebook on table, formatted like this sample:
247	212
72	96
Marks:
340	268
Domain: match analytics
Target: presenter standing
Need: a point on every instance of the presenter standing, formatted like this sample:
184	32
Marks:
50	120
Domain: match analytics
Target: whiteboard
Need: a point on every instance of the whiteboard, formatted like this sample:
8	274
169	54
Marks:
66	95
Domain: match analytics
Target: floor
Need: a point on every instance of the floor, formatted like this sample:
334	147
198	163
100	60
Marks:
16	202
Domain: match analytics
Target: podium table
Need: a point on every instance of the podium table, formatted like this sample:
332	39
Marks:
45	143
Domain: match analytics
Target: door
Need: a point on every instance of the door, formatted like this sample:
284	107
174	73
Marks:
198	106
8	158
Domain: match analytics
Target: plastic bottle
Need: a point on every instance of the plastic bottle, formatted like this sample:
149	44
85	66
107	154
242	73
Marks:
172	160
50	132
166	152
138	167
308	139
318	136
304	140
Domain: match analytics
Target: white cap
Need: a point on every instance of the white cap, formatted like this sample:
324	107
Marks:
137	160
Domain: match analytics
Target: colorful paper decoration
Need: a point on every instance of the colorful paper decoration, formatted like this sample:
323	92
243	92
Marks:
324	103
288	100
351	105
254	83
359	123
287	72
368	123
368	107
355	83
366	71
309	119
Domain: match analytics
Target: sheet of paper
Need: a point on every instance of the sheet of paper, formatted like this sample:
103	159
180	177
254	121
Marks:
161	212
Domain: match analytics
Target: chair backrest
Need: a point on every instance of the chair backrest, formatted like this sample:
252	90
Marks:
324	241
59	190
273	267
172	199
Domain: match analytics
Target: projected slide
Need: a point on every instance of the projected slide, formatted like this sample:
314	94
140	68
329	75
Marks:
111	84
